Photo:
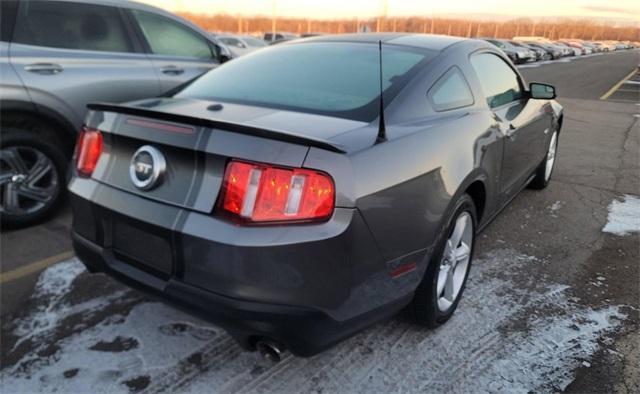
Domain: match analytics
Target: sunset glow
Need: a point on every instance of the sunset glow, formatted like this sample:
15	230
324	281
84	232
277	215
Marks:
624	11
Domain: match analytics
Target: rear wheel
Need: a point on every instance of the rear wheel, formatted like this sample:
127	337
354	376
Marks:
439	293
32	176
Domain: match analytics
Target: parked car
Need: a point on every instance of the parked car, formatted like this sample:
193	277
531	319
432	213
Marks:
541	54
601	47
576	44
240	45
295	211
570	51
517	54
608	46
55	57
272	37
552	51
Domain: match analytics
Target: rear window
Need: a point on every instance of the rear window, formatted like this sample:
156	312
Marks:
451	91
335	79
58	24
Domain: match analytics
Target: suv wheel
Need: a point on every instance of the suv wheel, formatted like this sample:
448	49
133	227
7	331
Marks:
32	176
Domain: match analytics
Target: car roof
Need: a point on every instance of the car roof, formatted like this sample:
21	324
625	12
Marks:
426	41
122	4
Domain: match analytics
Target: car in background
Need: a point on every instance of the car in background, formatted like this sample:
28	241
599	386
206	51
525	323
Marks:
55	57
518	55
273	37
621	46
553	51
576	44
240	45
541	54
608	46
571	51
601	47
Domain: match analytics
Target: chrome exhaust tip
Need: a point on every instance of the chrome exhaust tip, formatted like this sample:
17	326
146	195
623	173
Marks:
270	350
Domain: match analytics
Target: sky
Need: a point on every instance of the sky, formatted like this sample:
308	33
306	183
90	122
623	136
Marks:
623	10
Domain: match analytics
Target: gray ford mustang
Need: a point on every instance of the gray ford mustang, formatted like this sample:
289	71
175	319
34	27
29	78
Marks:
284	198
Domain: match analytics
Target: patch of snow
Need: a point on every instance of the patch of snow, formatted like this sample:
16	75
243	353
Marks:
500	339
624	216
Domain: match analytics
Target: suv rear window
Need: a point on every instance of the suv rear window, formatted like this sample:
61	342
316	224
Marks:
335	79
58	24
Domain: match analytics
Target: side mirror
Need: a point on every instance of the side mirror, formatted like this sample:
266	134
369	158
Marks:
542	91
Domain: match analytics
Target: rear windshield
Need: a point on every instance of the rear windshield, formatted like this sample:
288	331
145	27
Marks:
335	79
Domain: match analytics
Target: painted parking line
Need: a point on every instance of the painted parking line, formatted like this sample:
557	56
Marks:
616	86
36	266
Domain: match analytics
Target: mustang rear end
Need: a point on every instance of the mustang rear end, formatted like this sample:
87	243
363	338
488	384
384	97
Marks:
298	194
255	234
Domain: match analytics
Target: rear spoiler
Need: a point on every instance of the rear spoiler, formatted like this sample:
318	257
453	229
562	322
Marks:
229	126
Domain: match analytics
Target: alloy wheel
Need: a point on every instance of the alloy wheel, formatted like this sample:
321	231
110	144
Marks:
455	262
551	156
29	180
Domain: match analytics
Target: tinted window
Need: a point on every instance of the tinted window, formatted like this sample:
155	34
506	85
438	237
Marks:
8	10
254	42
499	82
451	91
71	26
337	79
232	42
497	43
167	37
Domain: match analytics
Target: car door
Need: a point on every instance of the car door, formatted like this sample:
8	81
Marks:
178	52
521	120
69	54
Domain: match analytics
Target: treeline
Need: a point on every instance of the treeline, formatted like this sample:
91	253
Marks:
553	29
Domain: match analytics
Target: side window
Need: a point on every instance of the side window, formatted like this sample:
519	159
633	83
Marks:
451	91
167	37
232	42
67	25
499	82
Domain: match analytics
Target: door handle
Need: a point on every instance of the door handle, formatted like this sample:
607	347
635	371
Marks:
172	70
44	68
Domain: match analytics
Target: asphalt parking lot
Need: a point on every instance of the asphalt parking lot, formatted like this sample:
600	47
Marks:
552	303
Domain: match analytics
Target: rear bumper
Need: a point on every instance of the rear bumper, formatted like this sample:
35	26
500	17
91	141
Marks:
306	286
303	331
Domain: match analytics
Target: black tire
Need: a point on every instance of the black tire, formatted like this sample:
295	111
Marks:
541	181
424	306
23	136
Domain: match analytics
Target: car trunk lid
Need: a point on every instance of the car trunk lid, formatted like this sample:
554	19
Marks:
196	148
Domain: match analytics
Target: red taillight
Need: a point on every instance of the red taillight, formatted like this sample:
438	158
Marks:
263	193
88	151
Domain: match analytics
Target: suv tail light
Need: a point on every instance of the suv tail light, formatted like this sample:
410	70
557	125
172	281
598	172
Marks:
262	193
88	151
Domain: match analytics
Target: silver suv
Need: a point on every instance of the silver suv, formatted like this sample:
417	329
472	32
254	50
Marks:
58	55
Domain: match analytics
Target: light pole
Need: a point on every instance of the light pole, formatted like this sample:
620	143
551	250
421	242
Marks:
273	18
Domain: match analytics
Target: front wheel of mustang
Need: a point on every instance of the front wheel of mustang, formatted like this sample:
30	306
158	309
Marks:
545	169
441	288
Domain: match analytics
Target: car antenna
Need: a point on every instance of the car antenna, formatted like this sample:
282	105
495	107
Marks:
382	132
